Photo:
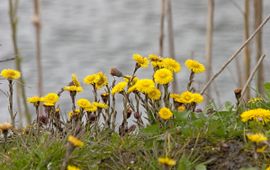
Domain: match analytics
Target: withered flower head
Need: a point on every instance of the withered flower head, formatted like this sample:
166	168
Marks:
115	72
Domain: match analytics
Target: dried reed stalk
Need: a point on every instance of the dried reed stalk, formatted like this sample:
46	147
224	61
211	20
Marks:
247	59
37	24
258	11
209	44
161	36
234	55
13	6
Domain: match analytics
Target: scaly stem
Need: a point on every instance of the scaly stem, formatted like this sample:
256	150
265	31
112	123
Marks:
12	117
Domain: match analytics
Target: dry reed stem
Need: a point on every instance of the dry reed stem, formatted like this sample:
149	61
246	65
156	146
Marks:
247	59
171	39
234	55
161	36
252	75
258	11
209	44
37	24
13	6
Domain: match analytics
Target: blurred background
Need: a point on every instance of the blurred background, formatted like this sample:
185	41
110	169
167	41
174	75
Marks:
88	36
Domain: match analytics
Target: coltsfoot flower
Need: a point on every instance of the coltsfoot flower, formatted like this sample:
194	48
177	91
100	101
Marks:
171	64
166	161
50	99
163	76
165	113
75	141
73	114
144	85
186	97
119	87
156	61
154	94
71	167
73	88
101	105
195	66
255	100
4	127
140	60
10	74
257	137
35	100
181	108
83	103
75	80
91	108
259	115
101	80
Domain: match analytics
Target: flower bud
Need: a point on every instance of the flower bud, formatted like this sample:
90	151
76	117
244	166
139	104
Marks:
115	72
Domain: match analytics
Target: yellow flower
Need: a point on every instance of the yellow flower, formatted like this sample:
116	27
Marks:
181	108
132	89
166	161
165	113
163	76
73	113
144	85
255	100
186	97
50	99
90	79
75	80
33	99
5	126
10	74
75	141
83	103
101	105
171	64
261	149
154	94
119	87
73	88
175	97
194	66
140	60
260	115
70	167
257	137
156	61
268	168
197	97
101	80
91	108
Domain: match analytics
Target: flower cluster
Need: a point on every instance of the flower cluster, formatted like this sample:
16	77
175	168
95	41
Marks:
258	115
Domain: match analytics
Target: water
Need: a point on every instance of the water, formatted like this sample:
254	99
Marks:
88	36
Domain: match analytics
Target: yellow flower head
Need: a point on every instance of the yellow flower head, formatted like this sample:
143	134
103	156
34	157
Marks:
197	97
83	103
140	60
154	94
257	137
163	76
73	88
268	168
144	85
132	88
156	61
50	99
181	108
166	161
175	97
171	64
259	115
101	80
33	99
101	105
119	87
90	79
255	100
165	113
75	141
91	108
5	126
70	167
75	80
10	74
73	113
194	66
186	97
261	149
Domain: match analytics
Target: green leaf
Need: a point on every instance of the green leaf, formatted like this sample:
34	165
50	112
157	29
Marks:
267	89
200	167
